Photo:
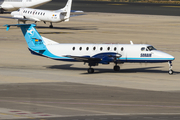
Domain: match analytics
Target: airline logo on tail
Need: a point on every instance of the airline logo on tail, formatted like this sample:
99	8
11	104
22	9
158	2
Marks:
30	32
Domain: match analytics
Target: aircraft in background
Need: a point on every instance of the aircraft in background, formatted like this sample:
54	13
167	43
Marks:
10	5
93	54
37	15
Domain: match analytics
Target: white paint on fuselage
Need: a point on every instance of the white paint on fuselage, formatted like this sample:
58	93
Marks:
126	50
10	5
41	15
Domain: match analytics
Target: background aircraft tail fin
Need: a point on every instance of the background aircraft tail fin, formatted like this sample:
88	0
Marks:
66	11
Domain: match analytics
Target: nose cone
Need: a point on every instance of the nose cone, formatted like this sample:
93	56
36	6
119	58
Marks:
170	57
14	13
164	56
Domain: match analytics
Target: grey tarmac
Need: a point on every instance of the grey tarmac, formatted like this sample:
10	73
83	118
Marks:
33	87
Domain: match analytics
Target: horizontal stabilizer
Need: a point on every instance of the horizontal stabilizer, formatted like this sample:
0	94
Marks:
18	25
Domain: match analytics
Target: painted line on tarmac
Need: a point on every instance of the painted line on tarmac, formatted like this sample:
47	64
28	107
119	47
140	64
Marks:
6	113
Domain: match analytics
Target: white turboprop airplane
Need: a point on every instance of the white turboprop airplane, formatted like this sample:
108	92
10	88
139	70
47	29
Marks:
93	54
37	15
10	5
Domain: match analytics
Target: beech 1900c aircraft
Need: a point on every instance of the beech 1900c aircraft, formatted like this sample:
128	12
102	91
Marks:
10	5
93	54
37	15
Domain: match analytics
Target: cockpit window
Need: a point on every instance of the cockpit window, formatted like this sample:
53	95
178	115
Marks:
150	48
143	49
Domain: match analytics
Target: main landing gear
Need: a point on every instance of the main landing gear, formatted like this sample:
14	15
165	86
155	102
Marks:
51	26
170	68
116	68
90	70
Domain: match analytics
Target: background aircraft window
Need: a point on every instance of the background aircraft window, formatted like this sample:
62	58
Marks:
44	14
122	49
94	48
115	48
143	49
73	48
101	48
87	48
108	48
80	48
151	48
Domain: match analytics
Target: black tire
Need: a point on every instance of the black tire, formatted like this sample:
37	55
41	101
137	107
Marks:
90	70
116	68
171	72
51	26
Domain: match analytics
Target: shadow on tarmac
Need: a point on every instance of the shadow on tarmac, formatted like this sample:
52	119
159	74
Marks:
69	28
101	70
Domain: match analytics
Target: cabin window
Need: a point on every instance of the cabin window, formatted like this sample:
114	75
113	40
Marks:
94	48
101	48
115	48
73	48
108	48
122	49
87	48
143	49
44	14
80	48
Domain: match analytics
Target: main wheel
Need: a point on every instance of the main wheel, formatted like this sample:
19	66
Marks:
171	72
116	68
51	26
90	70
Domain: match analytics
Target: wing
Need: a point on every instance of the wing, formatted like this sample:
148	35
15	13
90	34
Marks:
21	18
104	58
84	58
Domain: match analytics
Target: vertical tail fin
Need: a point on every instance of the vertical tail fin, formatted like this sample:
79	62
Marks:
33	38
66	10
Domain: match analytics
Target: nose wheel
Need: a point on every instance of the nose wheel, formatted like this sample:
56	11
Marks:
170	68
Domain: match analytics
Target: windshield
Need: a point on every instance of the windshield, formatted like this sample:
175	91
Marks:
150	48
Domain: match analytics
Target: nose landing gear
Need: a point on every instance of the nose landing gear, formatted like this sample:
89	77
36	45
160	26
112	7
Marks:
170	68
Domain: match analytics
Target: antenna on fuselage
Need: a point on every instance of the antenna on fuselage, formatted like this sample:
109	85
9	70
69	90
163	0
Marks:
131	43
